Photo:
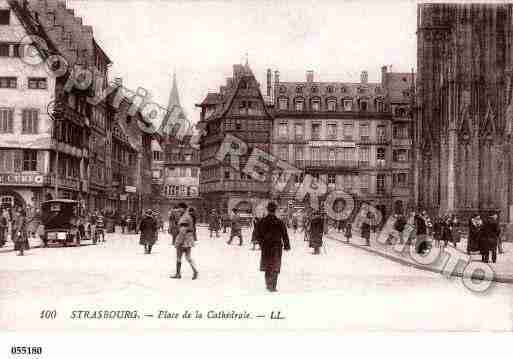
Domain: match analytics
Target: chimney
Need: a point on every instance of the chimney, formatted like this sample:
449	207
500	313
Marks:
364	77
383	76
309	76
269	82
276	77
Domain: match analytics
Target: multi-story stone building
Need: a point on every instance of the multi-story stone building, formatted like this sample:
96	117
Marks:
464	110
237	109
40	157
54	143
399	88
339	133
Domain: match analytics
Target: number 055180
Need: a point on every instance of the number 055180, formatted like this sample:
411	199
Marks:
26	350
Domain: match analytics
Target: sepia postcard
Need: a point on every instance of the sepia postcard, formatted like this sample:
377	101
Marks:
268	166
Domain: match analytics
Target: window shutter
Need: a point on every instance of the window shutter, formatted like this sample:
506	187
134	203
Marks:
24	115
18	160
10	121
35	125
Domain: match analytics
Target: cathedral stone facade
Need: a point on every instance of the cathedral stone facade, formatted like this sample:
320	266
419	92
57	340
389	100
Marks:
464	109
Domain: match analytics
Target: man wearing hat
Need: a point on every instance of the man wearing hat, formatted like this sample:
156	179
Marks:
184	241
214	222
271	234
148	229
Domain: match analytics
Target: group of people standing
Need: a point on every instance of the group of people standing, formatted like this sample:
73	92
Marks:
216	221
485	236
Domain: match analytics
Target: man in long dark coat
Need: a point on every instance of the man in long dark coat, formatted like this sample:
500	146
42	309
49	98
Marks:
490	238
273	238
148	228
316	232
365	231
475	229
214	222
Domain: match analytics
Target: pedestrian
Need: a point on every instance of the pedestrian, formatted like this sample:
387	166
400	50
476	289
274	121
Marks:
421	228
294	223
4	225
148	228
100	226
273	238
348	231
475	232
437	231
490	238
225	222
340	226
184	241
365	231
19	231
254	239
173	223
123	223
236	228
192	213
316	232
214	222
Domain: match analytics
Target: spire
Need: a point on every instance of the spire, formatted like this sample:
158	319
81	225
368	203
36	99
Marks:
174	97
175	113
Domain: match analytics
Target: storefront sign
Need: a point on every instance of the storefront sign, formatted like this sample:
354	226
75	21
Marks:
332	144
130	189
21	179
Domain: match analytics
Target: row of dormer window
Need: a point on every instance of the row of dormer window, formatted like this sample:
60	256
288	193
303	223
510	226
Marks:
330	89
331	105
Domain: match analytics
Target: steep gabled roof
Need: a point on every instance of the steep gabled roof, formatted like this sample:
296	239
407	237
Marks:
33	27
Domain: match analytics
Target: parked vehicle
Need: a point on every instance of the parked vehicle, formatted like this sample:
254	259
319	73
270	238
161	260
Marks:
60	218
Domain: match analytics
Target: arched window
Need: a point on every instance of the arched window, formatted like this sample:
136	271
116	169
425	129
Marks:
299	89
283	89
283	103
315	104
299	104
331	104
330	89
315	89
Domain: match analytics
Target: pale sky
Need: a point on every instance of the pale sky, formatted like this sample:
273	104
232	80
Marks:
148	40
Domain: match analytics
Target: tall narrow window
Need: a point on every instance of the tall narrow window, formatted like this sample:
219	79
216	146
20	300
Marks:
299	130
30	121
332	131
283	103
6	119
316	131
348	105
299	104
380	183
4	50
332	105
316	104
348	131
381	133
364	132
282	130
29	160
